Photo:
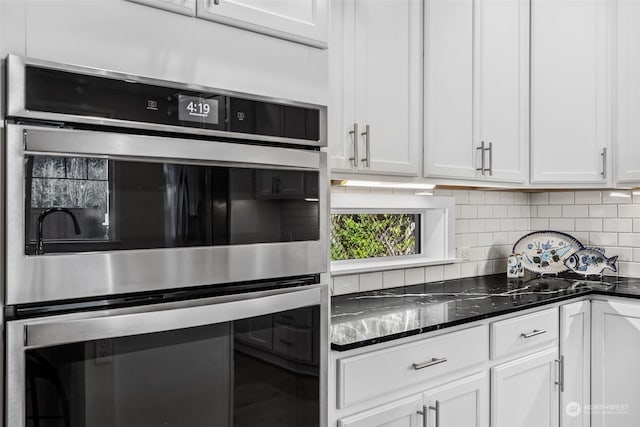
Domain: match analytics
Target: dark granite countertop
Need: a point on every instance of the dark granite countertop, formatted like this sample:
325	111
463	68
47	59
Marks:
367	318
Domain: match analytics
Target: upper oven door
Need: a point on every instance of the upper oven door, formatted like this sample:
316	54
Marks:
155	213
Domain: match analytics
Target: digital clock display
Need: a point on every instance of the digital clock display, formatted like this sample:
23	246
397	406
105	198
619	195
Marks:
197	109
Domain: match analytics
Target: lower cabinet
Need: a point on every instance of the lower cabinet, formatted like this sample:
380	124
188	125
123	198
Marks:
615	382
459	403
524	392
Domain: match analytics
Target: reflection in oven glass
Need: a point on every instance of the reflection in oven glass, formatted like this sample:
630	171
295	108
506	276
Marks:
261	371
123	205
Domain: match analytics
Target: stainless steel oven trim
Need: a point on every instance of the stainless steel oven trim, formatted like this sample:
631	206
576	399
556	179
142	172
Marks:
98	143
16	103
257	303
31	279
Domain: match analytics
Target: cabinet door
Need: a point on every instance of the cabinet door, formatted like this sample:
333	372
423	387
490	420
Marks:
448	93
459	403
524	392
627	117
570	97
303	21
388	50
502	92
575	353
403	413
185	7
615	372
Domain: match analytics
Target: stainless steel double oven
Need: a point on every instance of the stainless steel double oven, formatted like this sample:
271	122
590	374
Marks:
164	249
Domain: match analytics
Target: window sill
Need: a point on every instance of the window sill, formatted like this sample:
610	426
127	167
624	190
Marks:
374	266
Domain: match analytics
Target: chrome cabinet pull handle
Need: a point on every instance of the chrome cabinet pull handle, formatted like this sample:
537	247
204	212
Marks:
490	149
354	132
604	162
425	415
367	147
432	362
437	409
481	149
534	333
560	381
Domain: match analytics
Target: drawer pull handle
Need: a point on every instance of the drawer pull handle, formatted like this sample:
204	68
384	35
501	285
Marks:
534	333
425	413
433	361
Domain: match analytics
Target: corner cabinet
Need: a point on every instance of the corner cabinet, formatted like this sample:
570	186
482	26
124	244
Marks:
571	92
375	71
303	21
615	354
476	89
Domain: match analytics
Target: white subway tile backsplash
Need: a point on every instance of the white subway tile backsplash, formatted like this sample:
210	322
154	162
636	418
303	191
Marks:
501	238
623	225
629	239
564	224
462	226
539	224
468	240
393	278
546	211
477	198
469	269
603	211
514	236
346	284
539	198
575	211
414	276
468	211
636	225
492	198
618	197
485	211
562	198
451	271
514	211
477	225
492	225
506	198
522	223
603	239
521	198
482	251
588	224
533	211
582	236
629	211
462	197
588	197
507	225
485	268
434	273
370	281
624	254
636	254
500	211
630	269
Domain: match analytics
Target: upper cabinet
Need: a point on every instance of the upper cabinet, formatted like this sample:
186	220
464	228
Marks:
303	21
627	107
476	89
375	74
570	92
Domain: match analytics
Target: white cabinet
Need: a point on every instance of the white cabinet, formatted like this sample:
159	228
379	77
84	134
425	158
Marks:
375	76
476	89
627	117
303	21
570	92
615	372
524	391
404	413
575	356
185	7
459	403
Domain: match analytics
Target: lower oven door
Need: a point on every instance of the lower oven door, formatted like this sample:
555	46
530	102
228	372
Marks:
214	363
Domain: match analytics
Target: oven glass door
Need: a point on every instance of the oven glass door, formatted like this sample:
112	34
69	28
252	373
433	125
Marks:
105	213
256	371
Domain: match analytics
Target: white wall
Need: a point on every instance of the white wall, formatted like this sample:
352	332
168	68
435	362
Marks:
137	39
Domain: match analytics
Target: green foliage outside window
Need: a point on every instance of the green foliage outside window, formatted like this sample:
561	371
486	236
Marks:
359	236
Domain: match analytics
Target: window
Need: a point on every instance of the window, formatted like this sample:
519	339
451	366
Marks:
370	231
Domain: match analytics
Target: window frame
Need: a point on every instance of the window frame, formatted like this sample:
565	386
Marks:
425	206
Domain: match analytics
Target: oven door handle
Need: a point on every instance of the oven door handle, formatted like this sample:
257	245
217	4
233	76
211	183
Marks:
72	142
50	333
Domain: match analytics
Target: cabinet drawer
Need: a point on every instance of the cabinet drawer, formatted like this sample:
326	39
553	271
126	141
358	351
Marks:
524	333
373	374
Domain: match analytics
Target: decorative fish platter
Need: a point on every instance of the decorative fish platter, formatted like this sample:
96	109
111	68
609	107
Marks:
545	252
590	261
